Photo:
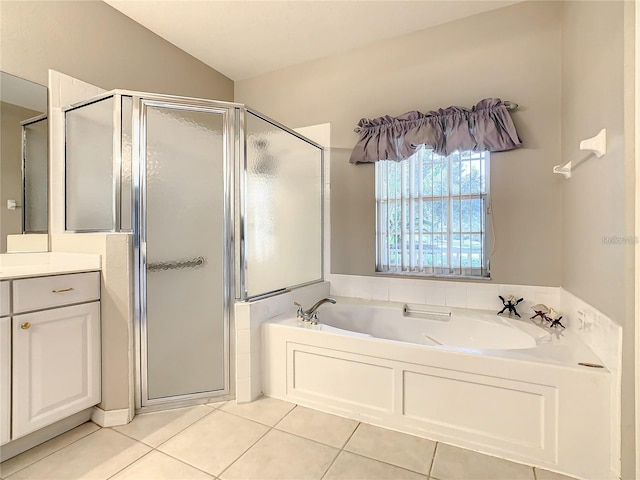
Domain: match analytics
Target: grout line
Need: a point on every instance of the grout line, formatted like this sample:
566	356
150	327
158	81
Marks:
245	452
384	461
331	464
275	427
227	467
256	421
185	463
132	438
182	429
127	466
351	436
307	438
387	463
286	415
433	460
55	451
340	451
270	428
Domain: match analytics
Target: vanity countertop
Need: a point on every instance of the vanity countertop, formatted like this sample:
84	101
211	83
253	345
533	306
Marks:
22	265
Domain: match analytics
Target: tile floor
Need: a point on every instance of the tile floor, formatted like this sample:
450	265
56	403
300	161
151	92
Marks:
266	439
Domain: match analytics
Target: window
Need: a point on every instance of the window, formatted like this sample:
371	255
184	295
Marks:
431	214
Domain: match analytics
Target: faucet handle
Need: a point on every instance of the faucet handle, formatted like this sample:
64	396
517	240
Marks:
314	319
300	312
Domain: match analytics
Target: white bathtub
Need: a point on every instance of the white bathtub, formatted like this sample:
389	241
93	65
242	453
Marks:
504	387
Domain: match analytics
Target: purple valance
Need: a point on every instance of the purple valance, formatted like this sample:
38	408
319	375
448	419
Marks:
487	126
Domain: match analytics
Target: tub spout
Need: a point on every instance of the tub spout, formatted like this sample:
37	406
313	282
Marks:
318	303
308	315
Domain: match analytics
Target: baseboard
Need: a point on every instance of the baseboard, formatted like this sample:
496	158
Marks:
110	418
23	444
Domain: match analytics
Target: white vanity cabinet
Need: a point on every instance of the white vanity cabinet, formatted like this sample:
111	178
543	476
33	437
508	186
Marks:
5	364
51	344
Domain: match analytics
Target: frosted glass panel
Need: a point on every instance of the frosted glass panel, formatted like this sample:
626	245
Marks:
125	170
283	209
184	252
89	167
35	177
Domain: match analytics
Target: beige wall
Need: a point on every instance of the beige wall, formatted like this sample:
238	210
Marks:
91	41
512	53
567	64
593	200
11	168
597	202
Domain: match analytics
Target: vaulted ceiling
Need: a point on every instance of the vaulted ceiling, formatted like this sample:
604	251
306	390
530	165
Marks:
244	39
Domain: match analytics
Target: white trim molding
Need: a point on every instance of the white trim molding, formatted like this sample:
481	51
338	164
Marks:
637	227
604	336
110	418
22	444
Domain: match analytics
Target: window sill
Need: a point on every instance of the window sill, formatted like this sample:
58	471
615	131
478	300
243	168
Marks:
433	276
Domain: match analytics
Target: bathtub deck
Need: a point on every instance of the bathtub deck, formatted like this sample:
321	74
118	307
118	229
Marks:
264	439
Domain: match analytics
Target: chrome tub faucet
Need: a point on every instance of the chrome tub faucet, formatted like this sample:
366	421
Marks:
311	315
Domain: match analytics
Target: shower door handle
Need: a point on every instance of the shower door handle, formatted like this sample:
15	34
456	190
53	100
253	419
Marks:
196	262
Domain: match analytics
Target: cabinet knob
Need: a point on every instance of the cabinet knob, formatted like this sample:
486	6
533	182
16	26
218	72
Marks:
25	326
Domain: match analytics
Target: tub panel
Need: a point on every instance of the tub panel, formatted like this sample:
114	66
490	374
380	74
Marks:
548	414
338	376
516	413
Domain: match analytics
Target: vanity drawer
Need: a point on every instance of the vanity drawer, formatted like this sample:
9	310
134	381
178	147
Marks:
4	299
54	291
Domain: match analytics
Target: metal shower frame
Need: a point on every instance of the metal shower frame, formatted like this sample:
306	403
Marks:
24	124
234	211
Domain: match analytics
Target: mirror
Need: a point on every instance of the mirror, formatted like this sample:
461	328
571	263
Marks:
23	163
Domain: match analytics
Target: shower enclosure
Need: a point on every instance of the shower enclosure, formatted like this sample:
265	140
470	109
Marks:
223	205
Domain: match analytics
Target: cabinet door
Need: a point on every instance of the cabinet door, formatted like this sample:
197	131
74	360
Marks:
5	379
56	365
4	299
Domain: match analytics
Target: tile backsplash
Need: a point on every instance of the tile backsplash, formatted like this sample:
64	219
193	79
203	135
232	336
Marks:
248	318
433	292
598	331
595	329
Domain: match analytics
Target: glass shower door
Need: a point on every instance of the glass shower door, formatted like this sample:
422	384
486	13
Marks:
283	208
184	266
